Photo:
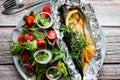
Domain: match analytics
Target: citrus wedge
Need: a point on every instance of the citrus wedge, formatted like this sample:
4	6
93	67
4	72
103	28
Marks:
75	20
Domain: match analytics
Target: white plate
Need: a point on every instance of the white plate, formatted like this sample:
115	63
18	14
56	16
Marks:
97	34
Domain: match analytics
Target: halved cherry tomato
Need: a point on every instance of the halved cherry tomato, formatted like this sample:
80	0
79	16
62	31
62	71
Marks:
46	9
25	55
29	36
41	42
51	34
21	38
29	20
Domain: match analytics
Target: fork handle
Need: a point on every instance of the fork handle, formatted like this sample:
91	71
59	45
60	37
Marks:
35	3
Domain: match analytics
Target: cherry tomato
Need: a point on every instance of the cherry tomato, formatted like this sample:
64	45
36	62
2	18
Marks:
29	20
25	55
51	34
46	9
29	36
21	38
41	42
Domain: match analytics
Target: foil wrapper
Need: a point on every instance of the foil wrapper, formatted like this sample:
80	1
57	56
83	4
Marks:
92	71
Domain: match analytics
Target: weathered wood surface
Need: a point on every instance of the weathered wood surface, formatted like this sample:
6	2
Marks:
107	12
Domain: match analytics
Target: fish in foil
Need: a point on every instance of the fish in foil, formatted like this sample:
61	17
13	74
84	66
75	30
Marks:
74	27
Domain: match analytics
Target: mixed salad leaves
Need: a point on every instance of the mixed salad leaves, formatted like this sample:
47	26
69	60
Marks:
42	42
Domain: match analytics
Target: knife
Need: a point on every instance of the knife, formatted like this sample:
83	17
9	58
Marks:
21	7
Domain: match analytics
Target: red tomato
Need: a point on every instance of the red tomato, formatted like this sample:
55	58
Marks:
21	38
29	36
41	42
29	20
46	9
25	55
51	34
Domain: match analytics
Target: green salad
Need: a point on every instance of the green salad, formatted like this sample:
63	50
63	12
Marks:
33	39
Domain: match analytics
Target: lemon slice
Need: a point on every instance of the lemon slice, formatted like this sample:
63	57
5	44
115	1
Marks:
75	20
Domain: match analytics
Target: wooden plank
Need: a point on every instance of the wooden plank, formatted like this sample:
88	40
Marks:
112	39
9	72
108	72
107	12
5	56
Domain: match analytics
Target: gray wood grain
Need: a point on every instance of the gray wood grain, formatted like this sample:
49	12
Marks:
110	72
9	72
107	12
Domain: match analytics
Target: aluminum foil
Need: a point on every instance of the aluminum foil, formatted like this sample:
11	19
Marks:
92	71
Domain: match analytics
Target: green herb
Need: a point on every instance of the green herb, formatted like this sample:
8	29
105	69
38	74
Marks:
16	48
34	25
54	72
38	34
57	54
75	42
42	56
31	45
46	23
40	70
43	21
24	31
20	61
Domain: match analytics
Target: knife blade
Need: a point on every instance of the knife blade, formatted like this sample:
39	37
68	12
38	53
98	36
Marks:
13	10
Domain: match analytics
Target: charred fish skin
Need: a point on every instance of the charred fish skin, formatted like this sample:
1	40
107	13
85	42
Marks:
63	9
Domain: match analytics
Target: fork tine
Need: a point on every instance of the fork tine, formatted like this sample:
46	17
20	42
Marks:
9	4
7	1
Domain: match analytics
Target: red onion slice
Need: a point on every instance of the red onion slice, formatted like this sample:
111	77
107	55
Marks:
46	51
48	76
28	68
51	20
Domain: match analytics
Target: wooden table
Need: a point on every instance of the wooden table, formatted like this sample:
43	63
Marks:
108	14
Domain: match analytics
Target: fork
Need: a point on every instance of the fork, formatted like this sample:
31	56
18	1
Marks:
10	3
